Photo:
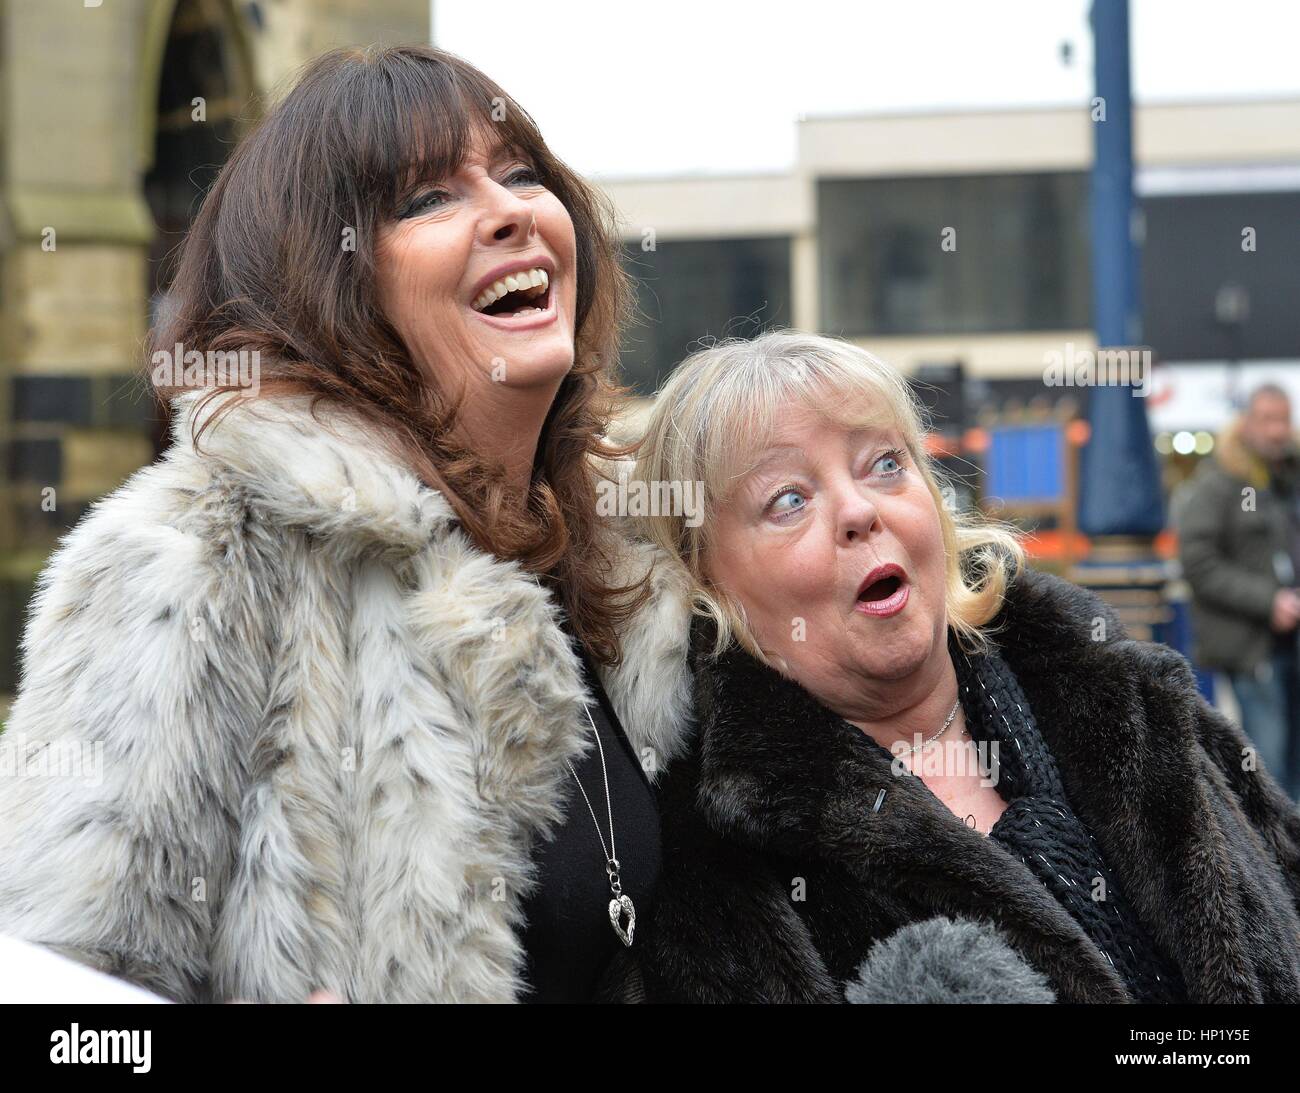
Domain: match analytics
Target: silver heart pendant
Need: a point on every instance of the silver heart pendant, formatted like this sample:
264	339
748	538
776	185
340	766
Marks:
619	907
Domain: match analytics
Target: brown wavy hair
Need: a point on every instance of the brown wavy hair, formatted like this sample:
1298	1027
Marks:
263	268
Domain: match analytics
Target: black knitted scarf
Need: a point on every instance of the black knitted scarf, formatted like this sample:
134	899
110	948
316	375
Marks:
1041	828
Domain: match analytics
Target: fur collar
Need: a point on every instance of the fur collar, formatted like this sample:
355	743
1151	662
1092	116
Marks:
325	475
780	774
1235	458
339	485
1127	726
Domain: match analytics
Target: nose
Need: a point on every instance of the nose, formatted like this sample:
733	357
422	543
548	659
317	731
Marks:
506	215
858	517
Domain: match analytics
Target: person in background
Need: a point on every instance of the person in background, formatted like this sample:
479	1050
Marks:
1240	550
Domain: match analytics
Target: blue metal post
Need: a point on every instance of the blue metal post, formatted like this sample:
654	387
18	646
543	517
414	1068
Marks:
1119	487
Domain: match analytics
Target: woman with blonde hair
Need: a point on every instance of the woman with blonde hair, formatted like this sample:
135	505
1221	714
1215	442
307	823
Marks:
904	733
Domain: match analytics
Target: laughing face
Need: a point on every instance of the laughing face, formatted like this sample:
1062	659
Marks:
833	545
476	272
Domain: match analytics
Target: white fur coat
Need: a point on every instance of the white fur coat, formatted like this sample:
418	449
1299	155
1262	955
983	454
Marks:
319	731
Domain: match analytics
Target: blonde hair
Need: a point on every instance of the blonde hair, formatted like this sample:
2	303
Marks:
720	407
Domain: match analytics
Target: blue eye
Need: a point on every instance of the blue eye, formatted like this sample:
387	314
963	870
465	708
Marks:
778	508
892	457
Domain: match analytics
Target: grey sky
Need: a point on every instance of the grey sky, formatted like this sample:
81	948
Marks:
687	86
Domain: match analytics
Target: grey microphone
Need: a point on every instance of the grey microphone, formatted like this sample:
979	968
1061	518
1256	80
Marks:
944	960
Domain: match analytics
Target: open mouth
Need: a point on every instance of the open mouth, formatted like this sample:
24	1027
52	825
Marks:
884	592
879	590
516	296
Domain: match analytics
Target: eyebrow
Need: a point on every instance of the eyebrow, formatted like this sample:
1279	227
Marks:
748	482
505	149
421	173
772	454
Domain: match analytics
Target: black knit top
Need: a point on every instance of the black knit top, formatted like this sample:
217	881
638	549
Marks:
1041	829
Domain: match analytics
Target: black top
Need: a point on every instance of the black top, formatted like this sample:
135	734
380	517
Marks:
568	938
1041	829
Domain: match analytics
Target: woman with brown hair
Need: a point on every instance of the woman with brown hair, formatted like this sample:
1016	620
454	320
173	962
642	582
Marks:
336	659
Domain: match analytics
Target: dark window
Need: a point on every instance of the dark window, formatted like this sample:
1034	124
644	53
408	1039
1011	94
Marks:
1193	253
700	288
1020	259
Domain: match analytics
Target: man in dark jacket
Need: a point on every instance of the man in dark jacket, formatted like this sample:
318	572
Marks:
1240	548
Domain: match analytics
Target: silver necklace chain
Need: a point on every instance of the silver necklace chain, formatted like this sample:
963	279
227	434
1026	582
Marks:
620	907
917	747
610	855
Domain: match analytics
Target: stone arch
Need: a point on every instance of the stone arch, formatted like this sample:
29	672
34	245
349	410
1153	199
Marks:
197	98
194	49
160	22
